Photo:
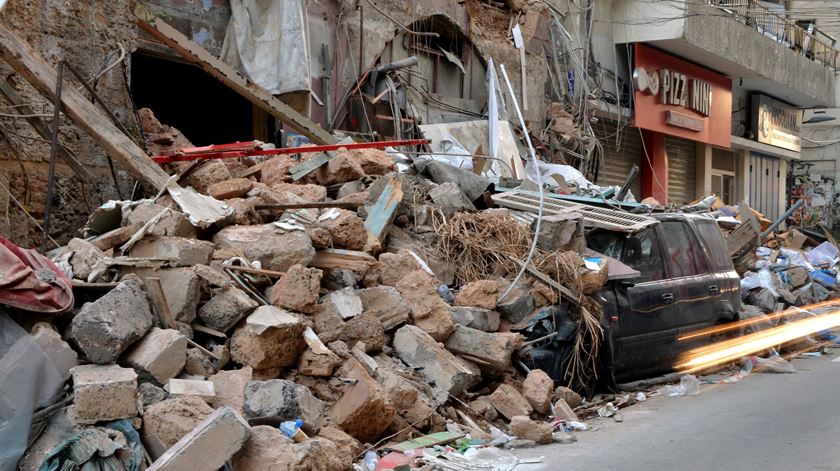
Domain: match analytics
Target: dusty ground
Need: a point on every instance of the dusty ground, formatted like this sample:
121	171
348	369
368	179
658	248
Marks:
764	422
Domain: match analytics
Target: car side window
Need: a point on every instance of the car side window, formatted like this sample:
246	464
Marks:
642	252
684	251
713	240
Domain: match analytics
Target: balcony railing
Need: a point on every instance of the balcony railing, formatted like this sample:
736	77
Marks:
810	42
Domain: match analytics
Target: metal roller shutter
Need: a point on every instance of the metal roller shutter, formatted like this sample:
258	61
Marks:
682	170
621	151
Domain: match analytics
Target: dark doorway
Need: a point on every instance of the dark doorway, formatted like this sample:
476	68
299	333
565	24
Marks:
184	96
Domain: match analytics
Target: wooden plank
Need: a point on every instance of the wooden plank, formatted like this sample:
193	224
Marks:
382	213
116	237
223	72
207	330
155	290
85	114
545	279
21	107
319	205
338	258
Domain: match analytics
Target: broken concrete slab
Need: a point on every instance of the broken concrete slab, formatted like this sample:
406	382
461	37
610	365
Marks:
172	223
199	364
372	161
182	289
106	327
428	310
346	228
233	188
346	303
282	400
268	449
230	387
158	356
517	305
270	338
151	394
476	318
347	447
394	267
482	293
342	168
491	349
208	446
538	389
166	422
179	387
275	249
572	398
363	411
297	289
309	192
104	392
366	329
441	368
386	304
85	257
449	197
185	252
62	356
318	364
227	307
523	427
509	402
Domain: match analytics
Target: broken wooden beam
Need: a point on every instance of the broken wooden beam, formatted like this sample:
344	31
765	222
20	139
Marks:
380	216
347	259
85	114
318	205
37	123
223	72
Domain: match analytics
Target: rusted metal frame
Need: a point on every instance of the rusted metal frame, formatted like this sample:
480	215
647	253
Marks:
53	154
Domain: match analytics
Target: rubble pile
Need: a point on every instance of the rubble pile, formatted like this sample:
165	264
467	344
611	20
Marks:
204	339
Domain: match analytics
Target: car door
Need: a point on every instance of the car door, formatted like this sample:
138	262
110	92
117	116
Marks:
646	308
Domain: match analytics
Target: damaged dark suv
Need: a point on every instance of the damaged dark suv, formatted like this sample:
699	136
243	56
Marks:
686	282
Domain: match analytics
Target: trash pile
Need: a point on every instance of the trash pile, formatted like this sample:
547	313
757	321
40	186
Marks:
352	315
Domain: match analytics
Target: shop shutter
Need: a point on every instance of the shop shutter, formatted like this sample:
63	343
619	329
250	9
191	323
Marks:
766	182
621	152
682	170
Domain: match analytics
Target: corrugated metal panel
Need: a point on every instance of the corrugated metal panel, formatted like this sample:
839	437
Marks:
765	185
621	151
682	170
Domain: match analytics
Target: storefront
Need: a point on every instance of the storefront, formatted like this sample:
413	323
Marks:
684	110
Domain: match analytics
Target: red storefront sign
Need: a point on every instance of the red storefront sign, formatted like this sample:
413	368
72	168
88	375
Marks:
676	97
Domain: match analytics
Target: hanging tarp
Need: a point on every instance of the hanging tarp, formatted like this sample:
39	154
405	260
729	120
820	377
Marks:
30	281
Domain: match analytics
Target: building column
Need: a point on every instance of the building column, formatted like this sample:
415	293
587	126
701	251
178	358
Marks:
742	175
654	167
703	181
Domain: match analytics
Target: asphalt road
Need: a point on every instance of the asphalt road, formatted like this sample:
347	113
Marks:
764	422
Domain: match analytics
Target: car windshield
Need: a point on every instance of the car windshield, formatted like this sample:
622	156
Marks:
606	242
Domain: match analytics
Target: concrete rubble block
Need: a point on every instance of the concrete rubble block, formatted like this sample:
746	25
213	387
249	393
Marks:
213	171
276	170
268	449
297	289
373	161
311	363
410	403
174	223
510	402
523	427
364	328
476	318
274	249
208	446
85	257
62	356
482	293
484	408
244	212
212	276
572	398
363	411
338	278
199	364
151	394
177	387
346	303
342	168
230	388
309	192
227	307
517	304
394	267
563	231
448	197
519	443
326	322
166	422
158	356
538	389
346	228
182	288
233	188
106	327
441	368
359	199
492	349
428	310
798	276
544	295
183	251
386	304
349	188
269	338
283	400
347	447
104	392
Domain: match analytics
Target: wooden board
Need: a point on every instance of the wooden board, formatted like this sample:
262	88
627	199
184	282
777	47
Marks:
347	259
223	72
592	216
85	114
381	215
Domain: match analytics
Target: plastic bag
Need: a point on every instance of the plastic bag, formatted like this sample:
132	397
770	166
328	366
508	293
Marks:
569	173
689	386
823	253
450	145
773	364
796	257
